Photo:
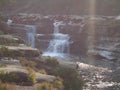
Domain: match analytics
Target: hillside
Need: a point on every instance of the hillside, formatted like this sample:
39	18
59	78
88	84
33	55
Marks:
59	45
80	7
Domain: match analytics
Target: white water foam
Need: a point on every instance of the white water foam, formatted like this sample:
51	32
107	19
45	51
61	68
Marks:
59	46
31	32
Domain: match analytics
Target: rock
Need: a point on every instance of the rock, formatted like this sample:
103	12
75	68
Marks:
115	75
28	51
45	26
43	77
105	37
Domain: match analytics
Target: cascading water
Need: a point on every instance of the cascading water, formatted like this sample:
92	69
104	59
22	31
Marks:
59	46
31	32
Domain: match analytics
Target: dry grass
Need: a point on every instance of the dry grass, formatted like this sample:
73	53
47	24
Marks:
5	86
42	71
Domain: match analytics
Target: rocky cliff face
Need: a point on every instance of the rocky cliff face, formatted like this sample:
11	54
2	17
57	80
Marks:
103	35
106	39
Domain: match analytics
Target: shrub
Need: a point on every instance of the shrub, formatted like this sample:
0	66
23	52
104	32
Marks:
16	53
32	76
7	41
71	78
5	52
58	83
28	63
51	61
8	77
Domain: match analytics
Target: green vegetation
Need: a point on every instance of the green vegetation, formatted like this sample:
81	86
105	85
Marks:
67	74
28	63
10	42
5	52
51	61
8	77
56	85
38	65
31	66
18	77
31	76
71	79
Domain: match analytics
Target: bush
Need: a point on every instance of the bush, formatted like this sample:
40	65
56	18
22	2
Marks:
51	61
16	53
28	63
6	86
7	41
58	83
8	77
5	52
71	78
32	76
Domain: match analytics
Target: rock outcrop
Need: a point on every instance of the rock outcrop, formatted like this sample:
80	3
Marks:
106	39
27	51
100	33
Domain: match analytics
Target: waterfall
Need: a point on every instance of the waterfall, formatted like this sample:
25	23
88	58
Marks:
59	45
31	32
